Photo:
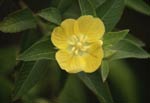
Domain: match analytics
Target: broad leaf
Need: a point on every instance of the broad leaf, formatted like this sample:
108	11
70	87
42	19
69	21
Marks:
86	8
51	14
113	38
73	91
126	49
96	3
28	38
73	11
94	83
40	50
104	70
139	5
30	74
110	39
110	12
108	52
64	4
18	21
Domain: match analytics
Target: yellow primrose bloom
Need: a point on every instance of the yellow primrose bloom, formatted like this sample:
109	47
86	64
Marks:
79	43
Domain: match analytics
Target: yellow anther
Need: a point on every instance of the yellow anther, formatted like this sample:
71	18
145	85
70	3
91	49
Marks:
76	51
78	44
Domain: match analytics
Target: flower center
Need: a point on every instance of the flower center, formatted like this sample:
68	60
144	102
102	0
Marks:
78	44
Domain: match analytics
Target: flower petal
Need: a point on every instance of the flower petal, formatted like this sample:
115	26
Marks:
69	62
59	38
92	27
68	26
93	58
61	34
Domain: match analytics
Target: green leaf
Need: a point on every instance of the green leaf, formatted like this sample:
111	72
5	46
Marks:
86	8
126	49
73	11
108	52
96	3
64	4
73	91
113	38
104	70
139	5
110	39
94	83
28	38
40	50
18	21
134	40
30	74
110	12
51	14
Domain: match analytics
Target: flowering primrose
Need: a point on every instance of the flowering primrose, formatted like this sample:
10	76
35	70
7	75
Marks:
79	43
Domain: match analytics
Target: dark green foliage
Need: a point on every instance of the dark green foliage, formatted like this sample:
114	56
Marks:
18	21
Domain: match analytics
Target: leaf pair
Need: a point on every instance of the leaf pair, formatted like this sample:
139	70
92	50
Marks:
24	19
119	45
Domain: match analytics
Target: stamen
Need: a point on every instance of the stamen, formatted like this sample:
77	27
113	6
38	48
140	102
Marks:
78	44
73	48
76	51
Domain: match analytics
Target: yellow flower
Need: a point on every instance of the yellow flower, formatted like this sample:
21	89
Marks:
79	43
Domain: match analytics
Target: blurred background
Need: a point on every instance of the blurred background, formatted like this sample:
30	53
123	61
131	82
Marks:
137	23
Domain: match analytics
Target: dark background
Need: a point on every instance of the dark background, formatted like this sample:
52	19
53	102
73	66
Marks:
139	26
